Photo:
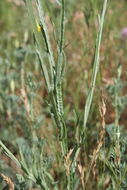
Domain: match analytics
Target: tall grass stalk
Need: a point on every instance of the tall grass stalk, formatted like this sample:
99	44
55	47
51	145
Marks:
58	82
95	67
38	39
47	42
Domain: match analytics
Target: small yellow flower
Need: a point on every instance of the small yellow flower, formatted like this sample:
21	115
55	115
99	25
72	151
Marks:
38	27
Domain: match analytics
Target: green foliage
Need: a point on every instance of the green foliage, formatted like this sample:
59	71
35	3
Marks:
55	68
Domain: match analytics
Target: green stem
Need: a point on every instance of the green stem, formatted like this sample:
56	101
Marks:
95	67
58	85
47	42
39	43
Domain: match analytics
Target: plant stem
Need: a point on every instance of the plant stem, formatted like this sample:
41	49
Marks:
58	85
47	42
95	67
39	43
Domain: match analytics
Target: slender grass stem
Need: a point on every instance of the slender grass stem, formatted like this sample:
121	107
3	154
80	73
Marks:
60	48
58	84
39	43
47	42
95	67
10	154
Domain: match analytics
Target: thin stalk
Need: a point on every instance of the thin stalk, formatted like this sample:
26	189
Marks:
61	44
39	43
95	67
58	83
47	42
60	62
117	129
10	154
71	177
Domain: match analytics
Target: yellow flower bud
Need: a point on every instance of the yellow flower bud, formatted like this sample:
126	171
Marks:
38	28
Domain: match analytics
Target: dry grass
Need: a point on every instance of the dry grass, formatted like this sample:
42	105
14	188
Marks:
8	181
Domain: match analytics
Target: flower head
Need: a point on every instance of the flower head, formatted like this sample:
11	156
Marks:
38	27
124	33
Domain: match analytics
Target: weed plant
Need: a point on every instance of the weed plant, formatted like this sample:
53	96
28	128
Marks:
54	143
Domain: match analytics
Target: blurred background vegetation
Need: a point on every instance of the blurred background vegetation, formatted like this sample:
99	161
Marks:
19	68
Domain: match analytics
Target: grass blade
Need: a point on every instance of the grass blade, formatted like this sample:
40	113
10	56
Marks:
95	67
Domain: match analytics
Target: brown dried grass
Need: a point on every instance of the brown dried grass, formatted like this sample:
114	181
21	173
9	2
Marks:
8	181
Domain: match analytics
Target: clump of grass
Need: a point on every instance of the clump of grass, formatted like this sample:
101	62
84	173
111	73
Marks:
53	80
36	170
